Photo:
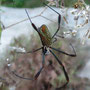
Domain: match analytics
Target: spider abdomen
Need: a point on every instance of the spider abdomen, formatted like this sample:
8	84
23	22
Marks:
45	36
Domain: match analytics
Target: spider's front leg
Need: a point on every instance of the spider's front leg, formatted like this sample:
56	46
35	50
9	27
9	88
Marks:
33	25
59	20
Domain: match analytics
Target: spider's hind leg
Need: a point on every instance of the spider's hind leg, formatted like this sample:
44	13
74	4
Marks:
65	73
60	51
38	73
43	62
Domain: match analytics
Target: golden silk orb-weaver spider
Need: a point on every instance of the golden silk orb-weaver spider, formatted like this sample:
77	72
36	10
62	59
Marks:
47	40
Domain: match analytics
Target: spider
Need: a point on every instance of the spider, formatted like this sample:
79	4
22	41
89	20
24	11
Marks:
47	40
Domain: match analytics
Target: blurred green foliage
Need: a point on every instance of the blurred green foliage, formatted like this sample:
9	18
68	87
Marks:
70	3
34	3
0	31
13	3
22	3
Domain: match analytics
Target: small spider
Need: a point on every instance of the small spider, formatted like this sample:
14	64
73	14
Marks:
47	41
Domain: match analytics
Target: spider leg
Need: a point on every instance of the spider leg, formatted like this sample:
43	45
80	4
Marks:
60	36
38	73
59	20
72	55
43	62
13	72
65	73
33	25
30	51
55	38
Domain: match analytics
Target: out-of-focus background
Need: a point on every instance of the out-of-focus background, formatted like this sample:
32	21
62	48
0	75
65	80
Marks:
17	34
